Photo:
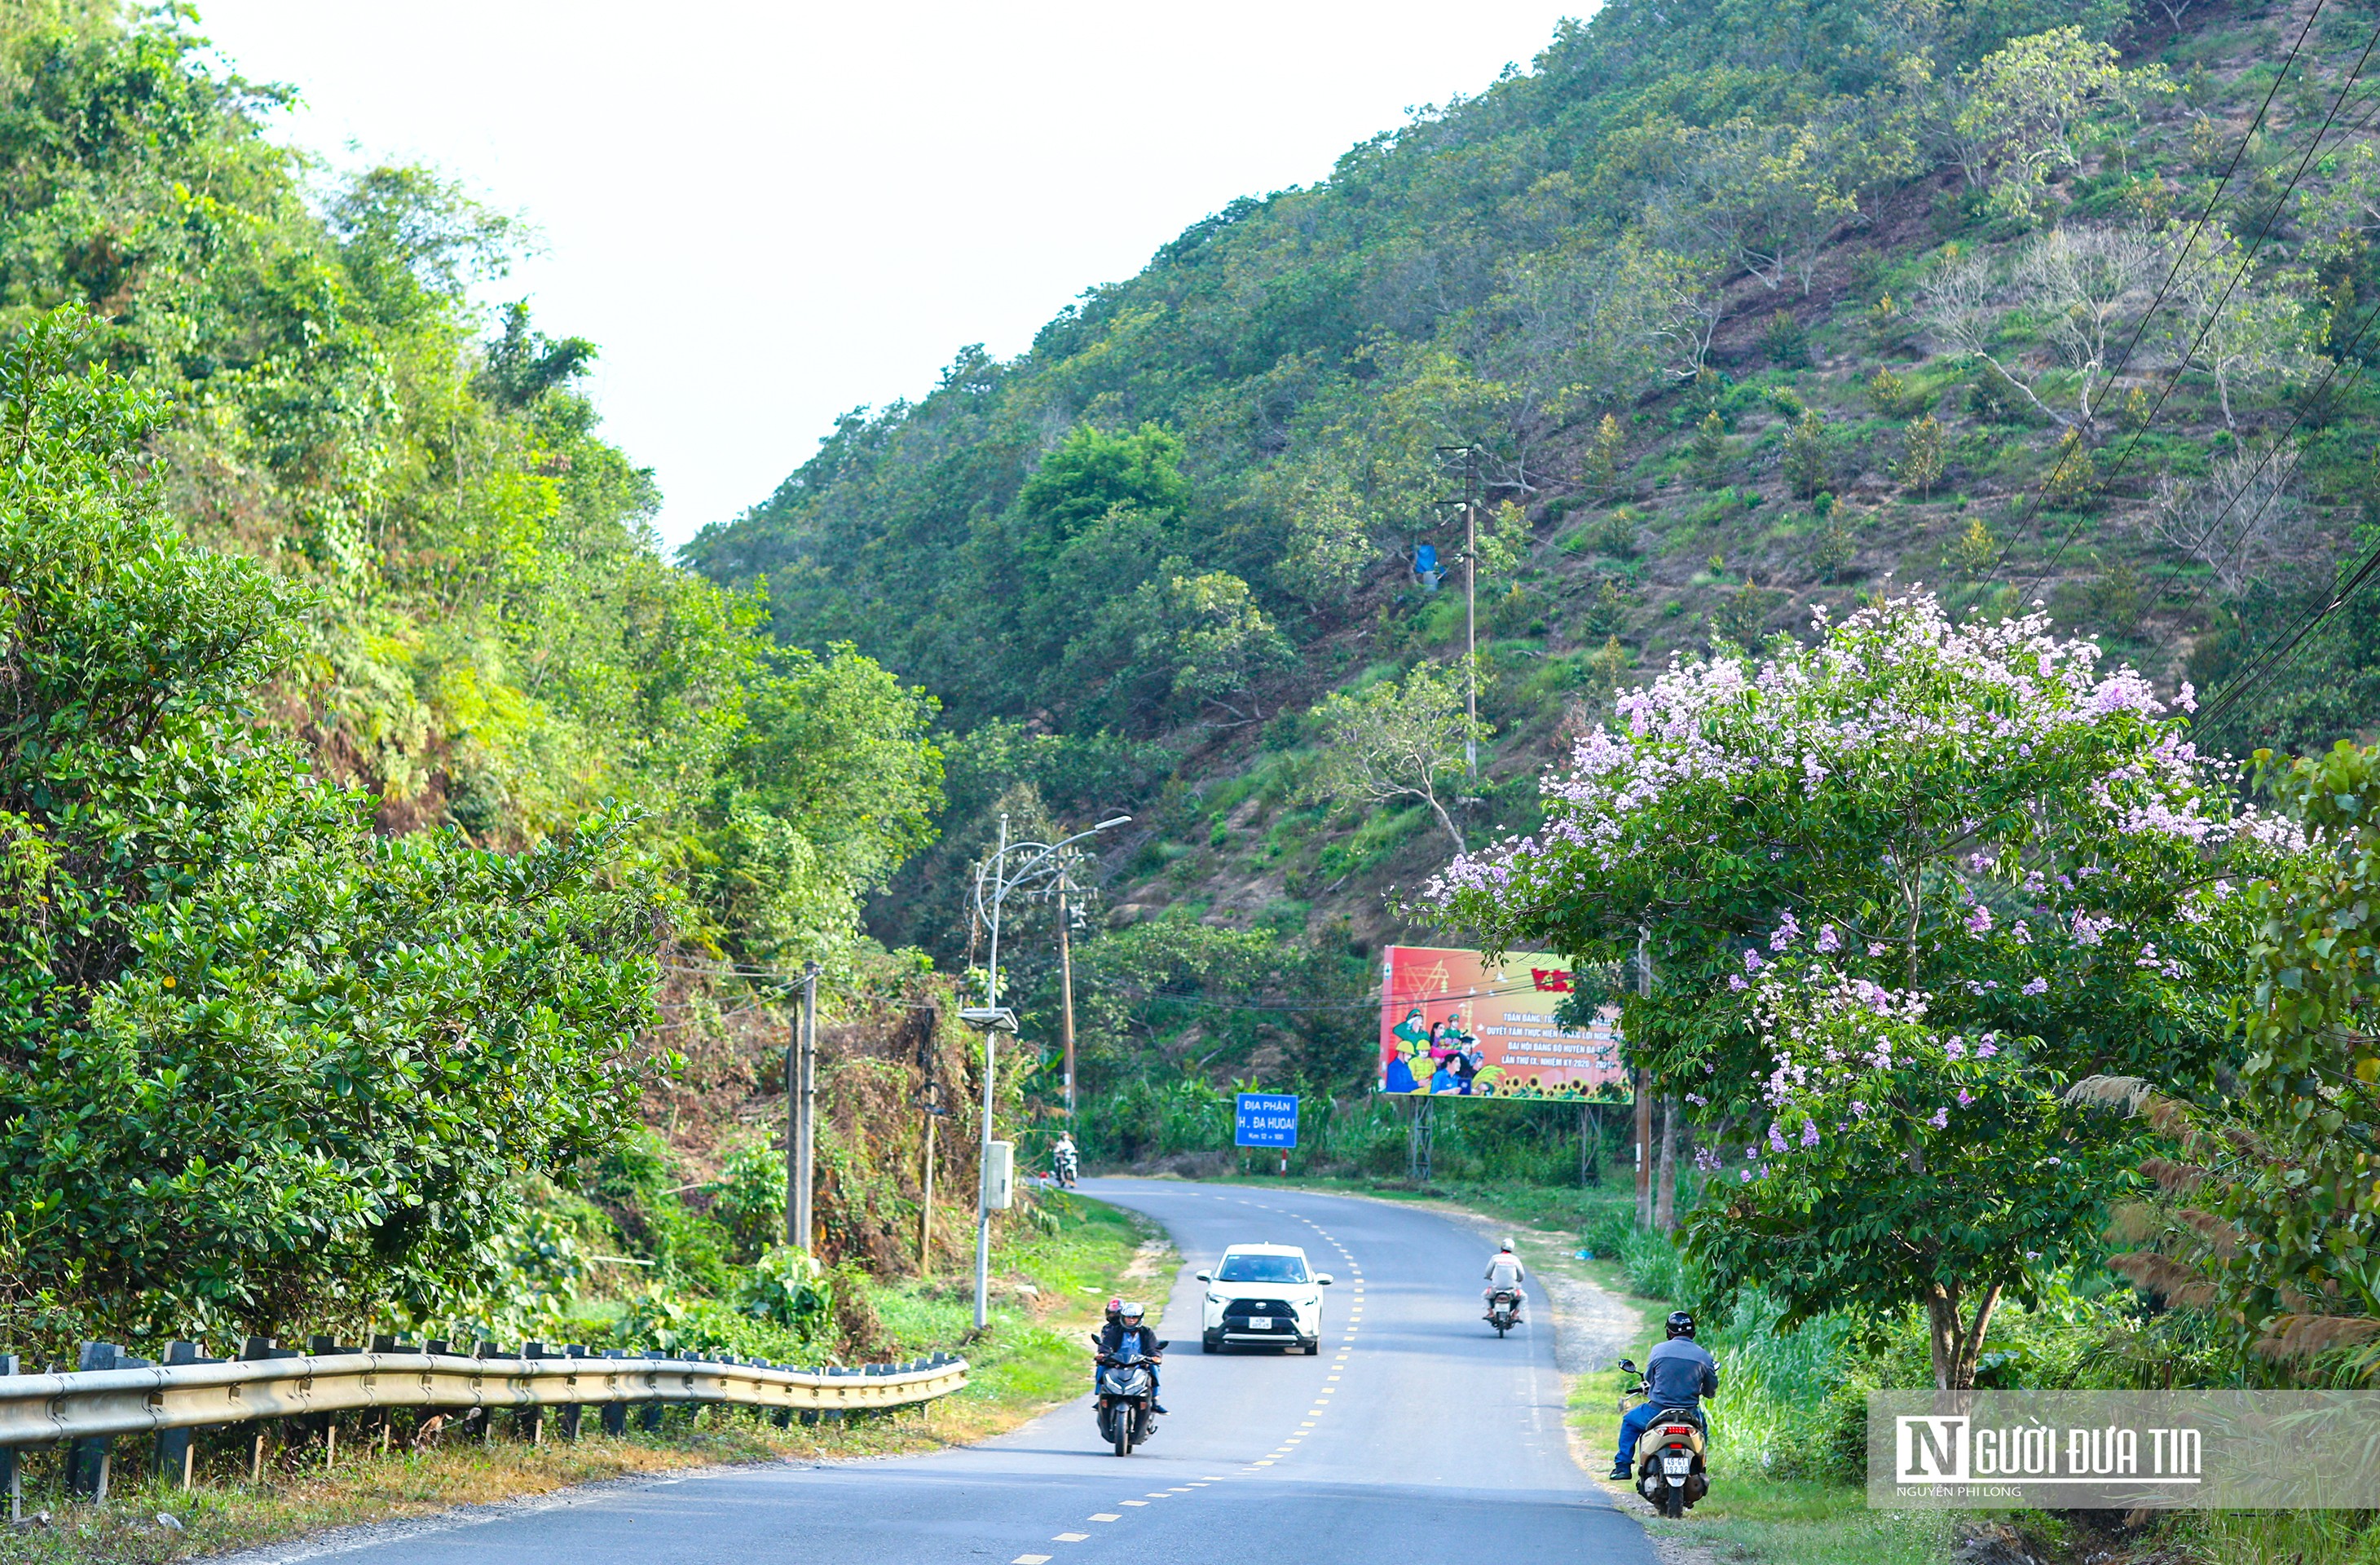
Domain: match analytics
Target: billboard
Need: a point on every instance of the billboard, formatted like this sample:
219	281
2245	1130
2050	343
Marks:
1452	1024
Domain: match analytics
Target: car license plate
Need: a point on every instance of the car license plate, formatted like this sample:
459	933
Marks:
1676	1466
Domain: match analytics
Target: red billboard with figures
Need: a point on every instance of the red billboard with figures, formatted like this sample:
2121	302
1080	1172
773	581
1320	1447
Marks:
1454	1025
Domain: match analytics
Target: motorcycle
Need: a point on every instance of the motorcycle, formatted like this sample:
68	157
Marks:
1669	1472
1127	1398
1064	1168
1504	1309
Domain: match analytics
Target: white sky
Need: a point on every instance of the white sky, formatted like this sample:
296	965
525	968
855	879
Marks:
769	214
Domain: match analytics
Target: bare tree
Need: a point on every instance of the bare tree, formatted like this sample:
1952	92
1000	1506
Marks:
2090	286
1962	305
2240	517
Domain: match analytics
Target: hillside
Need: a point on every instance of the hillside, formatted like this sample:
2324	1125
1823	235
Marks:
1742	317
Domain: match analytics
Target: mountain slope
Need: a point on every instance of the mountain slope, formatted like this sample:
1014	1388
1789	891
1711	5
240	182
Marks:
1740	312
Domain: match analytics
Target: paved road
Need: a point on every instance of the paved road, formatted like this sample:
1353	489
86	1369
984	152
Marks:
1417	1434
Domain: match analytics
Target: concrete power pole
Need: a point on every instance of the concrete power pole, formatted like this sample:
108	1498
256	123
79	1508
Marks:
1470	609
1643	1095
801	1117
1066	995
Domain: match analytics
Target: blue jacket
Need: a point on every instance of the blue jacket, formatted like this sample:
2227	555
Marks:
1679	1372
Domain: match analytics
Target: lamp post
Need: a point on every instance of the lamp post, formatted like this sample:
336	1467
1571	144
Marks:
1039	869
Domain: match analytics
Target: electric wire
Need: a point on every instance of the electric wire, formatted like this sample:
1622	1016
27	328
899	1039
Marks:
2174	270
2181	254
2312	400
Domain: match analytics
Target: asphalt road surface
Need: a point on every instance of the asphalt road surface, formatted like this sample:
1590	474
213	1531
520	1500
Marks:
1415	1435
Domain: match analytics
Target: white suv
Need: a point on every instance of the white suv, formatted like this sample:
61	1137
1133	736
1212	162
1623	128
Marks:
1263	1293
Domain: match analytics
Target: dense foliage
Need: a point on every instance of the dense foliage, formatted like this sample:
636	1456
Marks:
260	1064
366	762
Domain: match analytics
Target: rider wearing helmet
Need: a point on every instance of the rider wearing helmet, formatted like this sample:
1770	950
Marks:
1127	1323
1678	1374
1505	1270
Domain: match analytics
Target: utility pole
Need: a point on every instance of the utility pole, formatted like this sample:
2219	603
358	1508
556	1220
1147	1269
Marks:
1470	504
1041	873
1644	1094
983	1147
1066	993
801	1115
1471	607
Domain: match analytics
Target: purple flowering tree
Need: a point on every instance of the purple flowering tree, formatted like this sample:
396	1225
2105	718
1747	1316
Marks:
1899	1165
1978	819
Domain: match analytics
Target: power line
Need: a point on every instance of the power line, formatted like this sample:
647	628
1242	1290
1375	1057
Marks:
2274	656
2181	255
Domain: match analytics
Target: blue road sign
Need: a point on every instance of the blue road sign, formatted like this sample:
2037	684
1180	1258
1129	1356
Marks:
1265	1119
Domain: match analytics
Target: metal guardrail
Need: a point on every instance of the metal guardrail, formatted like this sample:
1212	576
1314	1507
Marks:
91	1405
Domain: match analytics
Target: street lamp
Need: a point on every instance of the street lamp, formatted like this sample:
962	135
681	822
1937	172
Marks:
1038	870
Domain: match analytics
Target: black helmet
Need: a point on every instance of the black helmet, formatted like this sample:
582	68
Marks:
1680	1323
1115	1308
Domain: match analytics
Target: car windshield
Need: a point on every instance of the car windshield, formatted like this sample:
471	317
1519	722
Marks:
1261	1269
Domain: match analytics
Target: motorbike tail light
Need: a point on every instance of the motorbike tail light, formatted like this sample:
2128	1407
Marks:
1678	1429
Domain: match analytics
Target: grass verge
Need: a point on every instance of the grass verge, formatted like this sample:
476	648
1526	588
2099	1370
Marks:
1049	1286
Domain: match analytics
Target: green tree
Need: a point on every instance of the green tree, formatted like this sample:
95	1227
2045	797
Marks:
2268	1211
1397	740
261	1064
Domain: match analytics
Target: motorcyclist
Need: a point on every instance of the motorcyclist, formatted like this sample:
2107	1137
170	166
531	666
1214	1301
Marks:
1678	1374
1063	1158
1506	1272
1126	1326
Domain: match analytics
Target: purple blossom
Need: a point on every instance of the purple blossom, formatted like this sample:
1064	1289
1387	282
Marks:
1979	923
1956	1049
1876	947
1941	1120
1786	932
2038	986
1752	961
1829	940
1744	1174
1965	1098
1859	1110
1776	1136
1735	981
1809	1132
1987	1048
2019	933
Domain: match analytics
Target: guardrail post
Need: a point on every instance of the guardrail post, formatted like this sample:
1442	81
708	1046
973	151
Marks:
615	1414
10	1478
174	1450
325	1424
252	1349
481	1416
568	1418
532	1425
88	1459
650	1419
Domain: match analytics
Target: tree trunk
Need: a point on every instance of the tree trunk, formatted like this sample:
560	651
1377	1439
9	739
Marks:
1665	1197
1446	820
1956	1343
